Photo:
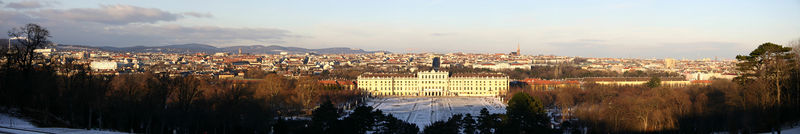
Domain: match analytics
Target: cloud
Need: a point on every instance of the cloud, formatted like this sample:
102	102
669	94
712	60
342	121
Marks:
126	31
441	34
113	14
204	34
591	40
198	15
149	35
27	5
591	48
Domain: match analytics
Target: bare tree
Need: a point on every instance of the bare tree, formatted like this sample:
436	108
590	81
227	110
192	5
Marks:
27	38
796	50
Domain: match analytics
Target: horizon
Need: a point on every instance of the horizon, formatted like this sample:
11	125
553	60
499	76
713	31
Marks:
645	58
621	29
369	51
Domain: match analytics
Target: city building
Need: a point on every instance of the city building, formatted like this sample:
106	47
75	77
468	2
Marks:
344	84
635	81
103	65
433	83
503	66
549	85
669	63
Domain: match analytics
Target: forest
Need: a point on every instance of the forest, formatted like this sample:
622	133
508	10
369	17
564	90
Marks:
764	98
155	103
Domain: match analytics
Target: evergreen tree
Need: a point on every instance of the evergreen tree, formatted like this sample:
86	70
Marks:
455	122
486	122
360	121
526	114
324	116
653	82
280	127
441	127
769	63
469	124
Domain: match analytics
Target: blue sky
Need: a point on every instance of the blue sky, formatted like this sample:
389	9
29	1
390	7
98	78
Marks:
591	28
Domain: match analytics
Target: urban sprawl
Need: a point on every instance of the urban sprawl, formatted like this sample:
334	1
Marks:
388	74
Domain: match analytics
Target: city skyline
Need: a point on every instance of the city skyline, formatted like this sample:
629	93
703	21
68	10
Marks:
641	29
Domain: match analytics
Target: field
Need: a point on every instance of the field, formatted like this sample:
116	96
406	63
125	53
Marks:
426	110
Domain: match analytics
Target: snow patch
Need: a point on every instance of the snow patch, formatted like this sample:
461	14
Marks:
424	111
11	124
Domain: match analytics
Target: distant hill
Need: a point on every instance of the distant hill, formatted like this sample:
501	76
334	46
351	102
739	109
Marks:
197	48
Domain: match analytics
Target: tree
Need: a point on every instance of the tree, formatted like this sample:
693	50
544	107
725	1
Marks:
185	91
28	38
796	74
526	114
653	82
324	116
486	122
391	125
255	73
439	127
469	124
360	121
565	99
451	126
768	63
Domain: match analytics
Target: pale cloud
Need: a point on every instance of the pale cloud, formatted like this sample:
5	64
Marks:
591	40
124	25
204	34
198	15
113	14
29	4
442	34
654	50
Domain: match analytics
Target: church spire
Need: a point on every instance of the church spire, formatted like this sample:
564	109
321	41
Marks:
518	48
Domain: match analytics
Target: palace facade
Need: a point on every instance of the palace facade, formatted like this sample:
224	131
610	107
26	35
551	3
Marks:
433	83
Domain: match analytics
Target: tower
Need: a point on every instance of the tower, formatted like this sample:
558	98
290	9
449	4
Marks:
518	49
436	63
240	51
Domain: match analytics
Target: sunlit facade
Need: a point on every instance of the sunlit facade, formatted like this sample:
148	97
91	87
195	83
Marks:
433	83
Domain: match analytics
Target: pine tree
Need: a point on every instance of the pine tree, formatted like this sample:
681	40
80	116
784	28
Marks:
653	82
469	124
324	116
486	122
526	114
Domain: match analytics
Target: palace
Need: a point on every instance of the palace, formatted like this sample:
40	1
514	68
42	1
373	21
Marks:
433	83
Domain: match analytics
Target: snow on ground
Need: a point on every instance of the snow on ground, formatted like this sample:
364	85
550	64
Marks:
425	110
790	130
795	130
14	125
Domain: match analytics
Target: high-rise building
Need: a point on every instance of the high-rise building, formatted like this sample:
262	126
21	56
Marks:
436	63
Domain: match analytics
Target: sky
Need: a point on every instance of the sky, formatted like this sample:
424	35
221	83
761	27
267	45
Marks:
688	29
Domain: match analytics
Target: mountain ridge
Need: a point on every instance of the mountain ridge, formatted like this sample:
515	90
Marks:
205	48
